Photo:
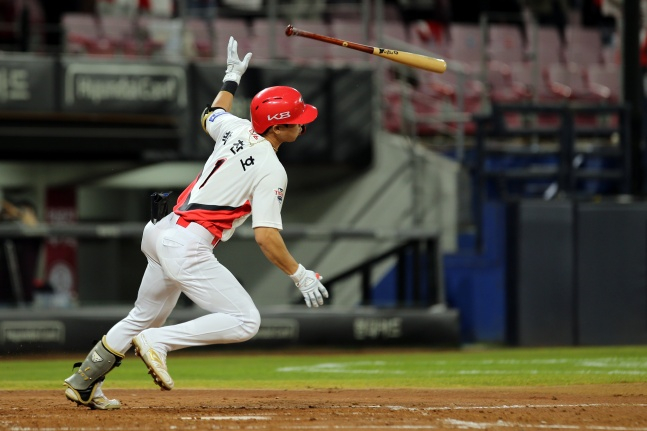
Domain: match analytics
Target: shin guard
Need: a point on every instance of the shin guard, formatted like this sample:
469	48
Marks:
93	369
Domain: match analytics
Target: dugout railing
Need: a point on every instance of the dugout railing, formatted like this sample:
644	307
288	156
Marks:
416	278
417	274
566	138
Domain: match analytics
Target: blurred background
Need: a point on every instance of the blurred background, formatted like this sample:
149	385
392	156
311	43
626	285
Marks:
501	202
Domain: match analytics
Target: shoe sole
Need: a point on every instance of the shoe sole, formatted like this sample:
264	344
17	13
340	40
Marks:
158	381
71	395
108	406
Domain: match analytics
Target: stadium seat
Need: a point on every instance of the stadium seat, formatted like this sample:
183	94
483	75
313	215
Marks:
394	29
266	37
505	43
344	11
308	51
531	85
82	35
121	32
583	46
405	102
465	43
391	12
160	36
549	46
604	81
455	93
202	36
431	41
499	84
351	30
568	81
226	27
523	82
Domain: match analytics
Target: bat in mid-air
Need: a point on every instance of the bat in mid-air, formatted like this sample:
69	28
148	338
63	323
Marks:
431	64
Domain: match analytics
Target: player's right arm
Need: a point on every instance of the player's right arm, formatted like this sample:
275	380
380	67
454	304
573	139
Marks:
235	70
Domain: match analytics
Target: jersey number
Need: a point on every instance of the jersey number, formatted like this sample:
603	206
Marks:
215	168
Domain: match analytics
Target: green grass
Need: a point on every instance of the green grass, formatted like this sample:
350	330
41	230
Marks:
362	369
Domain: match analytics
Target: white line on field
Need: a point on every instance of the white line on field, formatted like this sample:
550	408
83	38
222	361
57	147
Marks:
486	425
360	427
65	428
599	367
502	407
225	418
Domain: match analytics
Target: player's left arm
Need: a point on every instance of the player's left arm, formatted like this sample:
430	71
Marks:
271	242
235	70
266	221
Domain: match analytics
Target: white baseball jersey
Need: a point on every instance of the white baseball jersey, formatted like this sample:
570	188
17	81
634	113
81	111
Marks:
242	176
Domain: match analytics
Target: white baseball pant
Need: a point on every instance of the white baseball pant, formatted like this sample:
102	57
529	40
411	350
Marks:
181	259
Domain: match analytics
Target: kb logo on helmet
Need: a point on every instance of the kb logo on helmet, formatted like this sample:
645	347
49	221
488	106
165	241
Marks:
279	116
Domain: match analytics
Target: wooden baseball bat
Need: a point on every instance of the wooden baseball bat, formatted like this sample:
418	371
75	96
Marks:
431	64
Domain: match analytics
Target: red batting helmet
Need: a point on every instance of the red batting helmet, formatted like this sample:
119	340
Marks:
280	105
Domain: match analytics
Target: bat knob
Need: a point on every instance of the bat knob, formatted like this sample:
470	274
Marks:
289	30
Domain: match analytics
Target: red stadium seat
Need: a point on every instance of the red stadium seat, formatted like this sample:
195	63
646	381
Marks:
505	43
394	29
569	82
604	81
583	46
351	30
308	51
548	45
155	34
121	32
531	86
226	27
202	36
465	43
268	41
82	35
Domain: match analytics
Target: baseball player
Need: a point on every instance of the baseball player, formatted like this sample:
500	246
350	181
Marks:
242	177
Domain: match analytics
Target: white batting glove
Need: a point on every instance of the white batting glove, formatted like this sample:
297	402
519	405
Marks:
308	283
235	67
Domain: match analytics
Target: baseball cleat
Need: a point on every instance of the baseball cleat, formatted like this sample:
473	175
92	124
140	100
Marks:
104	403
156	365
99	402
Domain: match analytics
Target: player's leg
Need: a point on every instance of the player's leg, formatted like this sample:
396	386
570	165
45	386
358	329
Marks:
158	295
151	309
82	386
155	301
212	287
172	251
233	315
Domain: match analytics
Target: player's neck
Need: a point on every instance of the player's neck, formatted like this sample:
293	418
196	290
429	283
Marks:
274	142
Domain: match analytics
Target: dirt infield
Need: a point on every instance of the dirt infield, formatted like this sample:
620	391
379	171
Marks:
620	407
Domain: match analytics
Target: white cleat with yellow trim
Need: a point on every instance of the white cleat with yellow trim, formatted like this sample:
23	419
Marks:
153	360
